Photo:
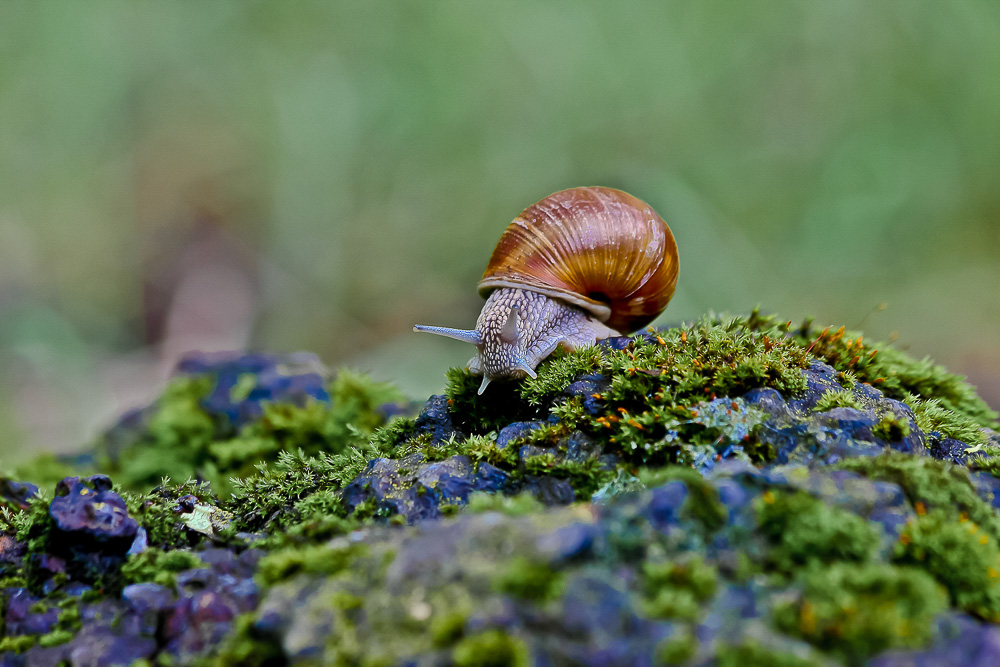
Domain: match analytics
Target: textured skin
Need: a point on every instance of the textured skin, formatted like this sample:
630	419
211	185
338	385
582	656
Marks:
543	324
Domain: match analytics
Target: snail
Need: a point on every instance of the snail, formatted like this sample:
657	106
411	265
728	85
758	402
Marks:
579	266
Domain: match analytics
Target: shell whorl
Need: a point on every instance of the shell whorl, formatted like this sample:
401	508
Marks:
600	249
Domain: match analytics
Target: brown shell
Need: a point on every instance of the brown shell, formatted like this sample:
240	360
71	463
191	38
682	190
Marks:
597	248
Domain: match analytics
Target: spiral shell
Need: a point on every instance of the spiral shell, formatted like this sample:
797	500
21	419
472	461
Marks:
597	248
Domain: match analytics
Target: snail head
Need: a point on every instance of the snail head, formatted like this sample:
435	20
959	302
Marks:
499	342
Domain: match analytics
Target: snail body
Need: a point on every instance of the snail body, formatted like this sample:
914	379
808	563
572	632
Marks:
579	266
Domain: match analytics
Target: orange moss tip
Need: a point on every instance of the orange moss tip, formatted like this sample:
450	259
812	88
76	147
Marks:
920	508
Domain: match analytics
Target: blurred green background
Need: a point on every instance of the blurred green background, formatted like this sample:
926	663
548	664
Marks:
321	176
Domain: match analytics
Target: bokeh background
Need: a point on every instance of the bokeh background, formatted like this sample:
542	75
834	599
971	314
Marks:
323	175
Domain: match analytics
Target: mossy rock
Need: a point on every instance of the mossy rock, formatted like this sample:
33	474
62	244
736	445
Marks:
734	491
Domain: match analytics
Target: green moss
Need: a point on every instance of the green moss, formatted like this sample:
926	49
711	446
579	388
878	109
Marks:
492	648
677	649
317	559
896	373
182	441
836	399
522	504
929	483
751	654
447	628
159	567
703	503
529	580
891	428
17	643
269	499
855	610
676	589
244	646
806	531
960	555
931	415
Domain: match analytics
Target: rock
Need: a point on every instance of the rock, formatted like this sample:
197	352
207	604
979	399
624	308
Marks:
244	382
435	419
89	516
516	431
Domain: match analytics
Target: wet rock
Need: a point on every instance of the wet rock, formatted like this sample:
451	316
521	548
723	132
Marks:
948	449
435	419
516	431
549	490
17	493
588	388
22	615
244	382
88	515
412	487
490	478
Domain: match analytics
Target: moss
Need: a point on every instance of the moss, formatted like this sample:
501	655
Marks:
806	531
676	589
317	559
891	428
896	373
159	567
269	499
836	399
244	646
960	555
529	580
522	504
855	610
929	483
492	648
677	649
703	504
586	477
751	654
448	628
931	415
17	643
181	440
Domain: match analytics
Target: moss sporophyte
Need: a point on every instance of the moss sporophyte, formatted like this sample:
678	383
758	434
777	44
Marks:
854	546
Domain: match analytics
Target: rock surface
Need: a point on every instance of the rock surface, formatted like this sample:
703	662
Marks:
803	517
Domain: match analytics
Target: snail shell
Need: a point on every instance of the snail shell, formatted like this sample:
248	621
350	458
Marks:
579	266
599	249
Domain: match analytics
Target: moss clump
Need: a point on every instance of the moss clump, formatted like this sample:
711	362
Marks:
857	610
676	589
529	580
159	567
17	643
929	484
751	654
896	373
960	555
492	648
677	649
703	505
244	646
837	399
317	559
523	504
276	498
181	440
891	428
806	531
